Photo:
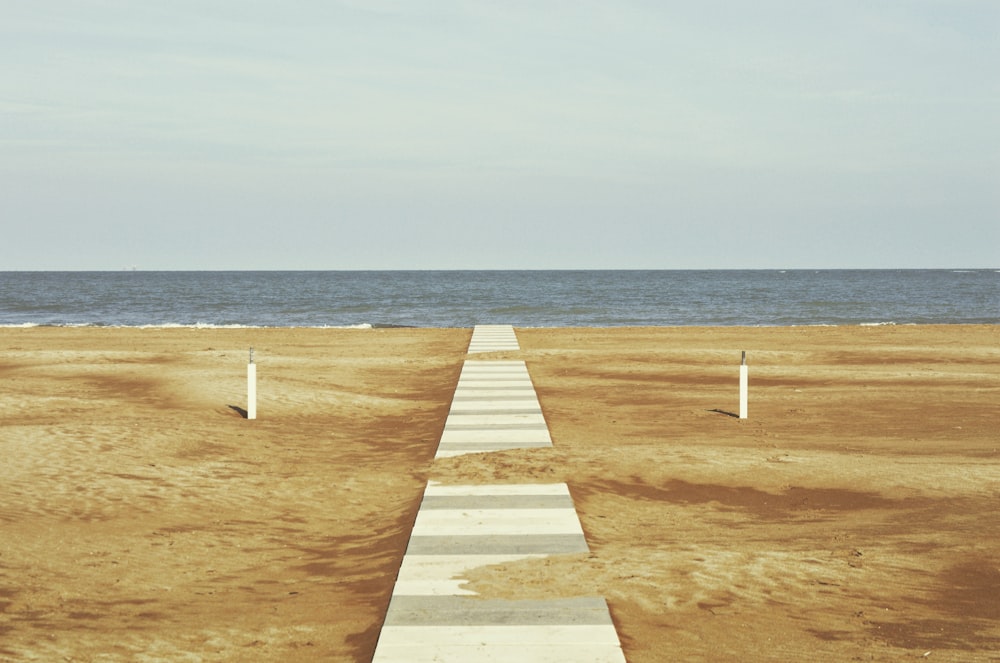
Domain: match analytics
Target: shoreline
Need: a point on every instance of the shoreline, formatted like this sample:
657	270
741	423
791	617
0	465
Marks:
367	325
851	515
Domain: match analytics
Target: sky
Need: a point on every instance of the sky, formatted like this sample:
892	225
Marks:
500	134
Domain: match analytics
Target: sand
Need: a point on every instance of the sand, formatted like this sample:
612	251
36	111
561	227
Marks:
852	516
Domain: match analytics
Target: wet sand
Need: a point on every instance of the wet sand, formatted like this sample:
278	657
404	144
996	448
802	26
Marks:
852	516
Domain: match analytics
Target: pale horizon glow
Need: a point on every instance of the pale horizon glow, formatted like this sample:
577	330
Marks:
463	134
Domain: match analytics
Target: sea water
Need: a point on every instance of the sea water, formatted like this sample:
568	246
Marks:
520	298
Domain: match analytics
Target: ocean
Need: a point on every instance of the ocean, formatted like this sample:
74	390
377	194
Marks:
600	298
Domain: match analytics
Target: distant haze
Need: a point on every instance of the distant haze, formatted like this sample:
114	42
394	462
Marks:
385	134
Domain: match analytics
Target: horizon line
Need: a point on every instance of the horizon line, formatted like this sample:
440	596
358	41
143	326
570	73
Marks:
498	269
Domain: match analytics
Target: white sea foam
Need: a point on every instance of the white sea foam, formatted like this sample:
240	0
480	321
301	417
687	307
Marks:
177	325
207	325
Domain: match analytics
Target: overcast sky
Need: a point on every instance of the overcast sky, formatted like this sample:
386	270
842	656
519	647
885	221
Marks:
396	134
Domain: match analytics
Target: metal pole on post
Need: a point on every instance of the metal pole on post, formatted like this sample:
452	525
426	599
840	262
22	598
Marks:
743	386
251	388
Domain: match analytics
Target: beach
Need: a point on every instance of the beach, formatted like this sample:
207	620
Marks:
852	516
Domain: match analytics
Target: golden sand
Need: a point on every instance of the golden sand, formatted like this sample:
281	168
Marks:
853	516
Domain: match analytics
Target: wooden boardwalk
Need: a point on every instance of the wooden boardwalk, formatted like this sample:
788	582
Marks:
431	616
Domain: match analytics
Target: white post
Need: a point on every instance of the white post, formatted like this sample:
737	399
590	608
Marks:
743	386
251	388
